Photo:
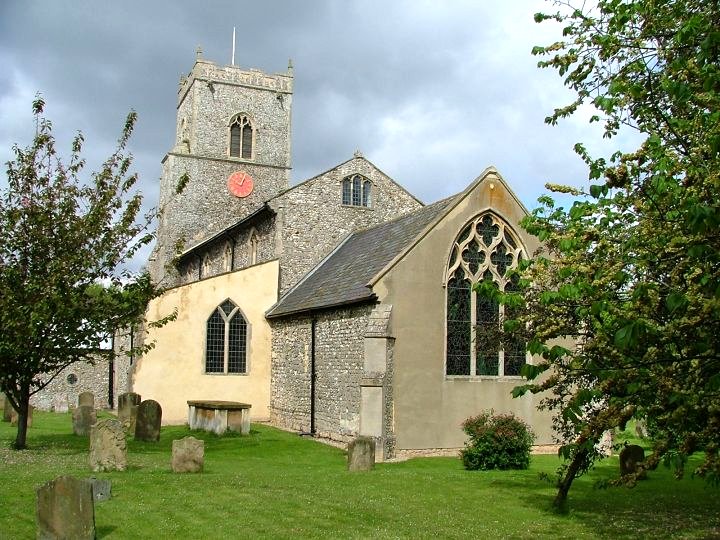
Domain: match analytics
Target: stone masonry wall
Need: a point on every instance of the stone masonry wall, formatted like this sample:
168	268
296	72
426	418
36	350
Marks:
62	393
208	99
339	352
264	231
314	220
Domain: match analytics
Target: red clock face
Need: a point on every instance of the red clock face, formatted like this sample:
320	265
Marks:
240	184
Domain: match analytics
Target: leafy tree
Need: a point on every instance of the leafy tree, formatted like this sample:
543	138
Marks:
63	286
623	307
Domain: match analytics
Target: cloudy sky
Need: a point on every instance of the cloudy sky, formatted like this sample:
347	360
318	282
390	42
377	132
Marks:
432	92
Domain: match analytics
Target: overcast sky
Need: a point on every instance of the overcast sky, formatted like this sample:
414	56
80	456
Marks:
431	92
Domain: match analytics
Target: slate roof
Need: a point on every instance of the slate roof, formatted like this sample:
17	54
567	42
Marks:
342	277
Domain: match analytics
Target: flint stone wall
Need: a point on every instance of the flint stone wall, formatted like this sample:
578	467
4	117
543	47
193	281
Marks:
339	352
62	393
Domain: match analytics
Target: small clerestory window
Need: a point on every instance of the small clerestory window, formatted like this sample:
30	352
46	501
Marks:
357	191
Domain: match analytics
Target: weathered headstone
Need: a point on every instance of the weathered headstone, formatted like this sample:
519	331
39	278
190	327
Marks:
7	409
630	457
60	404
108	447
83	417
101	488
641	429
86	399
65	509
15	417
188	455
127	410
147	422
361	454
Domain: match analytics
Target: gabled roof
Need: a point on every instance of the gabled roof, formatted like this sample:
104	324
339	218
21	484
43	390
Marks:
342	277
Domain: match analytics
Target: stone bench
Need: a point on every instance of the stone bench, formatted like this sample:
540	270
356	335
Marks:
219	416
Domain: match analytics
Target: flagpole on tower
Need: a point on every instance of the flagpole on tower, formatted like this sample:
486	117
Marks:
233	48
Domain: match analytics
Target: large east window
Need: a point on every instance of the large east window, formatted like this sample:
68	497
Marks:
486	249
241	137
226	340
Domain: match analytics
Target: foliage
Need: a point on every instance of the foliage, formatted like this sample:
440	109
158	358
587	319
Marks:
623	306
287	486
63	289
499	441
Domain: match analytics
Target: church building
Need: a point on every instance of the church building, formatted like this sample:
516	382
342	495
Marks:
338	307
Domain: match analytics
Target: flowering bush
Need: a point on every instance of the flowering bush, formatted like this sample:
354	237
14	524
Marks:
499	441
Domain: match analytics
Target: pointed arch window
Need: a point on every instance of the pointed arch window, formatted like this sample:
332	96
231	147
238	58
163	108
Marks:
485	250
357	191
241	137
226	340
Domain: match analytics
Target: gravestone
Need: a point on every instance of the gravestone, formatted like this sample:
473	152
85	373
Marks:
60	404
630	457
86	399
14	416
65	509
361	454
188	455
101	488
108	447
147	421
7	409
127	410
82	418
641	429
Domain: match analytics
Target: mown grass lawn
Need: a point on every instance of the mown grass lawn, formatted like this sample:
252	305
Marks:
273	484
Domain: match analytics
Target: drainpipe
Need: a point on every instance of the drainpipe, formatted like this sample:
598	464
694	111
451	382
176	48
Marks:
111	372
313	375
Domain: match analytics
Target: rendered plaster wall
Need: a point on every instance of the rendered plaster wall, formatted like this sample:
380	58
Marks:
339	351
314	220
208	99
173	372
429	406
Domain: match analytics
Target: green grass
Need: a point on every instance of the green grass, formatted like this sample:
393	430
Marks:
273	484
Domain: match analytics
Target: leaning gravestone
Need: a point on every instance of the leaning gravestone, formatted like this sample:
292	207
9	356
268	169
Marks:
108	447
630	457
147	422
361	454
188	455
86	399
15	417
65	509
83	417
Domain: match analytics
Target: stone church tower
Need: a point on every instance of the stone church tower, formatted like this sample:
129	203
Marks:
231	154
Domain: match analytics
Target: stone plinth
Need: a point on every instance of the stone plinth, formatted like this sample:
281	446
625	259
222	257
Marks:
219	416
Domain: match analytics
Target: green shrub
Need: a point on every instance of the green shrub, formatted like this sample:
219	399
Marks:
497	441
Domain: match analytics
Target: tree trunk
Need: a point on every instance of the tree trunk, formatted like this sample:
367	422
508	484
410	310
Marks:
561	498
23	408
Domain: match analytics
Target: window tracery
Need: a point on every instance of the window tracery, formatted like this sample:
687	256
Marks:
241	137
226	340
485	250
357	191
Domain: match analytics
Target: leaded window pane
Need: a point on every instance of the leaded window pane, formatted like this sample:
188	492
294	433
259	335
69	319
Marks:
473	256
356	199
215	344
458	325
227	306
514	347
367	187
487	332
487	230
237	338
501	259
346	191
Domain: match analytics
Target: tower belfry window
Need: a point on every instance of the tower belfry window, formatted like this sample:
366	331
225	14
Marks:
241	137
